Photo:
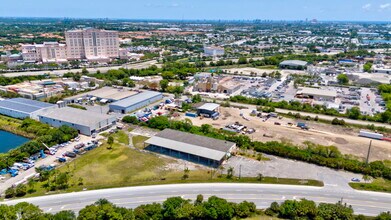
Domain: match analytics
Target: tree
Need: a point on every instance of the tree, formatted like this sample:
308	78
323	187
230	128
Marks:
245	209
110	142
260	177
217	208
130	119
343	79
366	178
20	190
242	60
354	113
84	71
230	172
7	212
199	199
10	192
368	67
149	211
64	215
205	128
164	84
186	172
27	211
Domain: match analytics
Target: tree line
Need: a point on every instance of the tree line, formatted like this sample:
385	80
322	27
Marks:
353	113
43	133
178	208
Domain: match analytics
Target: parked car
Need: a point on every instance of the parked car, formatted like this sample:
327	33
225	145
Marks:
70	154
355	180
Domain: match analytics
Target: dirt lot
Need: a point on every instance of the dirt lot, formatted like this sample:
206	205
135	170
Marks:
345	139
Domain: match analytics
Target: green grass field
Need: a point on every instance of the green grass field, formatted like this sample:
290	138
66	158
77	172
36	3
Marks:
380	185
123	166
138	141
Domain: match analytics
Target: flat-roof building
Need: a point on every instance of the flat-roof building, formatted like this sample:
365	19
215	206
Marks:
210	110
83	121
135	102
317	94
195	148
108	93
293	64
24	108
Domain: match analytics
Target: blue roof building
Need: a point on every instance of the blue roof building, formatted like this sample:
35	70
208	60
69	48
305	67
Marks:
24	108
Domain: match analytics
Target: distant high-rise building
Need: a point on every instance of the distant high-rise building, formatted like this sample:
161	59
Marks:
92	44
213	51
48	52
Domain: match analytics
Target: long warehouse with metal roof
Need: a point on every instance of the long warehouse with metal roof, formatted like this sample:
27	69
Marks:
24	108
191	147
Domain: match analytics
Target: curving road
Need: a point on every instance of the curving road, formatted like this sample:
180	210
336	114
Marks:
367	203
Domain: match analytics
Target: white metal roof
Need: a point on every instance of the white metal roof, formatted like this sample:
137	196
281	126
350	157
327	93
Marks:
317	92
293	63
209	106
192	144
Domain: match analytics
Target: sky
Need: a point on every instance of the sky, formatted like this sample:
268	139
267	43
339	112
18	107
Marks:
325	10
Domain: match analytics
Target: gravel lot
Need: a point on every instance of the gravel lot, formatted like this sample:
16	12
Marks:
284	168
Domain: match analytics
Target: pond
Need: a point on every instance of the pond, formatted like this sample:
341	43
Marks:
10	141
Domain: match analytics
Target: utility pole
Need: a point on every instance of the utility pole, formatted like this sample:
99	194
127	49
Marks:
369	151
240	171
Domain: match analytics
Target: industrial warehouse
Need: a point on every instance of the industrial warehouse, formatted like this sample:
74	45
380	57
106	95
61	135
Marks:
135	102
103	95
83	121
24	108
195	148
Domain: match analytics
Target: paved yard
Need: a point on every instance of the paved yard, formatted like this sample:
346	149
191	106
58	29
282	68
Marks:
284	168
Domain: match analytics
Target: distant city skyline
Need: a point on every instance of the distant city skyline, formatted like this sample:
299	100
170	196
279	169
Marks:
331	10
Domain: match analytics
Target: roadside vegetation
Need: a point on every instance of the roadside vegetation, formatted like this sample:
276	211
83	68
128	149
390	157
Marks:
176	208
353	113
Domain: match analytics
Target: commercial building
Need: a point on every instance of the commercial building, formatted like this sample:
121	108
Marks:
195	148
135	102
48	52
92	44
83	121
104	94
228	85
293	64
210	110
213	51
24	108
317	94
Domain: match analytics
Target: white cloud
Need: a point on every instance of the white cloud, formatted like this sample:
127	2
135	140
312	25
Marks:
385	6
367	6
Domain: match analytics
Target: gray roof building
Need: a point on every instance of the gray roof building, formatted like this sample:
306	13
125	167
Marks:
135	102
195	145
293	64
23	108
209	106
84	121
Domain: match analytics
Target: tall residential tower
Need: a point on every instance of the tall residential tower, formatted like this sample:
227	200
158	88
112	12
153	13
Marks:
92	44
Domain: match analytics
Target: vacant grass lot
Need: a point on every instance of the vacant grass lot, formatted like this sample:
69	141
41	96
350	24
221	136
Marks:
124	166
138	141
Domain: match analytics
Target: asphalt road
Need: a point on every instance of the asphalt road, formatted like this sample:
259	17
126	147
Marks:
91	70
367	203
